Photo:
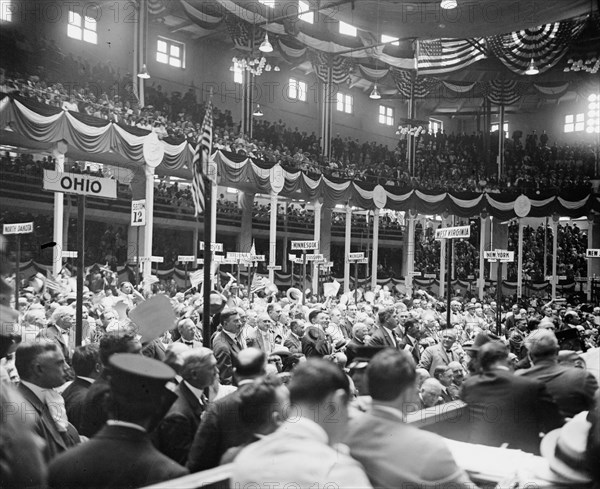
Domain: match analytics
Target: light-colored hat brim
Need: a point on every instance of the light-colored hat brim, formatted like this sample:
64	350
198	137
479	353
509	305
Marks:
557	466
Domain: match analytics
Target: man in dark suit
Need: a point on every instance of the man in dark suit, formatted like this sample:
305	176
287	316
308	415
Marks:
42	367
227	345
175	432
412	335
87	367
359	332
121	454
315	342
293	342
572	388
385	334
62	322
505	408
94	412
378	439
221	428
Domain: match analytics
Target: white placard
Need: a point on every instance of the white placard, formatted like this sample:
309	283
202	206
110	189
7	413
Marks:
214	247
299	260
292	257
274	267
502	255
236	255
69	254
356	256
157	259
186	258
414	273
592	253
199	261
362	261
430	275
18	228
315	257
75	183
138	212
257	257
454	232
327	264
305	245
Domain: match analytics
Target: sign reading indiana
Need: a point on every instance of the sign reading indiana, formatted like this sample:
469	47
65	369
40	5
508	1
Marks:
455	232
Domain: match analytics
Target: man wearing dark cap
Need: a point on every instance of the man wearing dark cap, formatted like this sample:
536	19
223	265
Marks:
121	454
504	408
221	427
393	453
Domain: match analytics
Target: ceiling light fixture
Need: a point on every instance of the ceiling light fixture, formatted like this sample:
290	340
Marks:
144	75
448	4
257	112
375	95
266	46
532	68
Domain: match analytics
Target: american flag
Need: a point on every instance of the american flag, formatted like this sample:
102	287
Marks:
200	162
446	55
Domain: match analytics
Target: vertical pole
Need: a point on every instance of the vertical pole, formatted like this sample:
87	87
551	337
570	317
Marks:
442	281
501	143
186	276
499	300
303	277
482	229
520	261
80	269
545	246
590	244
317	237
449	284
356	282
18	272
239	265
554	253
326	113
59	198
347	241
149	227
137	253
374	256
206	329
273	237
410	259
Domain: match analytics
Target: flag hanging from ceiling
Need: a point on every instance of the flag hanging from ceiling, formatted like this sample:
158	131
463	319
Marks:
446	55
201	157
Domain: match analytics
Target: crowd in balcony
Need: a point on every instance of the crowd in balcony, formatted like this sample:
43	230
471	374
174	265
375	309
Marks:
442	161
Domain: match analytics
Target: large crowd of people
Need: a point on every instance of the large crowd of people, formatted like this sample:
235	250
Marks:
147	397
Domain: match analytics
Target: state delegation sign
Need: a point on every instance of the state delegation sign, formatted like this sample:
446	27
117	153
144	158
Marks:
74	183
455	232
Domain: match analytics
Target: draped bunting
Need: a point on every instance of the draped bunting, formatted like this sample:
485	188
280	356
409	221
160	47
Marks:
243	34
340	67
204	20
445	55
60	125
503	92
545	45
421	86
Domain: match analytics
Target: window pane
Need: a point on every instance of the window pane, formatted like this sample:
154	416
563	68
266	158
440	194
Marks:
579	126
90	23
162	47
302	91
175	62
568	127
74	18
74	32
292	91
307	17
579	118
175	51
162	58
6	10
90	36
390	39
347	29
569	118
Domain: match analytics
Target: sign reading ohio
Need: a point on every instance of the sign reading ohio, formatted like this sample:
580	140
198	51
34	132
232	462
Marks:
74	183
